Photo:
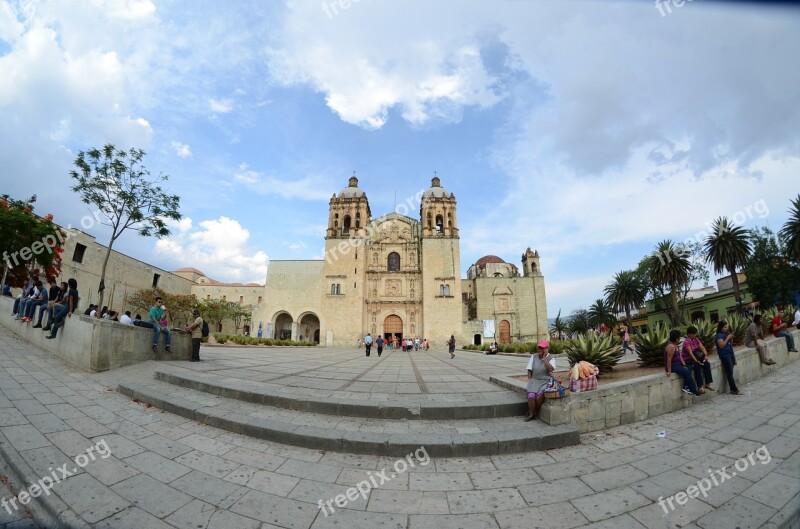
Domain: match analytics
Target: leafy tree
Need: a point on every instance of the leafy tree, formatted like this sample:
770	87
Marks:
179	306
578	323
601	311
771	277
216	311
727	248
28	243
558	327
791	231
119	185
239	314
669	271
626	292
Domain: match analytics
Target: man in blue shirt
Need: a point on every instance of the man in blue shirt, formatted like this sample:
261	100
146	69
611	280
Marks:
156	315
368	342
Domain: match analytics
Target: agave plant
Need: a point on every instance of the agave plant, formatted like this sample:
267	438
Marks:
738	326
650	345
766	320
600	351
707	333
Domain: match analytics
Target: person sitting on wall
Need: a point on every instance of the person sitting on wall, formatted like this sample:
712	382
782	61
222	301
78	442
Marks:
126	318
492	349
156	315
27	287
540	365
755	339
40	300
60	299
67	308
779	330
675	362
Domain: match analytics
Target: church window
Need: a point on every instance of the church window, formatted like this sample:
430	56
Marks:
439	224
444	290
394	262
346	225
336	289
430	221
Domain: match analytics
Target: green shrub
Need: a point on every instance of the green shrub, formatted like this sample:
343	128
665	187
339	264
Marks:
600	351
220	337
650	345
738	326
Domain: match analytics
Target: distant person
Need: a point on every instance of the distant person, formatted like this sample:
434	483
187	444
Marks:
492	349
724	339
779	330
540	365
7	290
89	309
60	299
196	328
368	342
416	343
451	346
379	345
626	338
66	309
796	321
755	339
674	363
694	353
156	318
126	318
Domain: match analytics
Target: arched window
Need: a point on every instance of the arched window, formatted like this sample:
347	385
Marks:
447	290
336	289
394	262
358	219
333	289
430	221
439	224
346	225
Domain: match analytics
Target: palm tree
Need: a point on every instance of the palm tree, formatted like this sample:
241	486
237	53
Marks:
728	247
578	323
625	293
558	327
601	312
791	231
669	268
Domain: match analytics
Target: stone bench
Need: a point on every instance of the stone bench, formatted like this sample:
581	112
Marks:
638	399
97	345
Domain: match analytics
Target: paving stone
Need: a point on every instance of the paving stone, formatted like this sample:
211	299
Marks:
463	521
659	463
656	516
48	423
228	520
566	469
742	513
618	522
30	407
273	482
90	499
395	501
212	465
254	458
194	515
151	495
110	470
488	500
70	442
204	487
313	491
316	471
164	446
157	466
610	503
43	461
561	514
664	484
774	491
515	461
613	477
24	437
88	427
440	481
492	479
283	512
132	518
206	444
65	411
554	491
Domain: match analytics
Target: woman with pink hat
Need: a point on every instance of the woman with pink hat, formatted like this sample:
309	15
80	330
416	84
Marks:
540	365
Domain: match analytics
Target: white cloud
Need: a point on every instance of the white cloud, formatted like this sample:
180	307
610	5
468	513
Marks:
220	106
181	149
306	188
217	247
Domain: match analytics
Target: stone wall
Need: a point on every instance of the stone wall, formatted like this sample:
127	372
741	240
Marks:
643	398
97	345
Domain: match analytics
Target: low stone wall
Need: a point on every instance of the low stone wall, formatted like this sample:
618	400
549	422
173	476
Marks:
643	398
97	345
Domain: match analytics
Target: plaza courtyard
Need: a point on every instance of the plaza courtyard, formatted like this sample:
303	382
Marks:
167	470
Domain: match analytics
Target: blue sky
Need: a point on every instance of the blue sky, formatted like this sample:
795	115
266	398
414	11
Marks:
586	130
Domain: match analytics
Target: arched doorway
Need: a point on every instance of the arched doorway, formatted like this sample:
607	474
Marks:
283	326
393	327
308	328
476	340
504	334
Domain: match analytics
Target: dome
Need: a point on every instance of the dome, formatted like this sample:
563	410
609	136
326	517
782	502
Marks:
352	190
481	263
436	190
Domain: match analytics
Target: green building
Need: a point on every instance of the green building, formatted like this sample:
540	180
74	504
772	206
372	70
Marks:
707	303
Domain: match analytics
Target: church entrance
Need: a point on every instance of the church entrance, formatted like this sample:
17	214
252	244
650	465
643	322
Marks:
504	334
393	328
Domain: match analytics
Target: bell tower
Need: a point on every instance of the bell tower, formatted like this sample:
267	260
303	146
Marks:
348	213
530	264
441	265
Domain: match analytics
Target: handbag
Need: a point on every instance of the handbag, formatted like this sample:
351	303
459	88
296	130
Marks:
700	355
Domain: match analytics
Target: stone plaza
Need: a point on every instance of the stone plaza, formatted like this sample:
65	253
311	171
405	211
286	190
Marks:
167	470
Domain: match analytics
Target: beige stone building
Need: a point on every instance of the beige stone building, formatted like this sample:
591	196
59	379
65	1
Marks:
396	276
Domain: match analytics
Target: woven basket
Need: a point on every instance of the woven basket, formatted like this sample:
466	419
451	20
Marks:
553	394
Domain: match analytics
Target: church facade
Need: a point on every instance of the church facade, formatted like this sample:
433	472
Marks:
400	277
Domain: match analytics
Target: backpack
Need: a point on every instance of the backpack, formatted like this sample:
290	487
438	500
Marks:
204	331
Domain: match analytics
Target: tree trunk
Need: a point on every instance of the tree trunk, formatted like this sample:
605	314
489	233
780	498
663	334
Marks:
677	319
103	274
628	317
736	293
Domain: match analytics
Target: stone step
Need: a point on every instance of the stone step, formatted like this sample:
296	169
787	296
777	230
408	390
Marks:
371	436
440	407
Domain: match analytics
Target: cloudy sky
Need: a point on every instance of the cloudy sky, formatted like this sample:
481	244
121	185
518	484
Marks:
586	130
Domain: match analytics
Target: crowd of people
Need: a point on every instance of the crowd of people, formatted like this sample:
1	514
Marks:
60	302
390	342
